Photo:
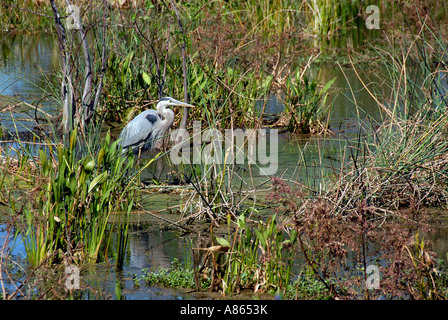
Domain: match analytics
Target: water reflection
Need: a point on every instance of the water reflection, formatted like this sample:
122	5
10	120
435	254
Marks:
26	60
27	64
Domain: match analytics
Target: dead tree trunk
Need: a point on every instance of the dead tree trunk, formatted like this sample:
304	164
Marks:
88	104
67	93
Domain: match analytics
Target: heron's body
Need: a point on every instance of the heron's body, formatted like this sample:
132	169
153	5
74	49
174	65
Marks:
145	129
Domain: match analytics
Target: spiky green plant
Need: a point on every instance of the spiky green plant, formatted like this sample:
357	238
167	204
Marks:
305	105
259	259
72	209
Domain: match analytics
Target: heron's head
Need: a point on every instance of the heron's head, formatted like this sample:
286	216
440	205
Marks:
168	101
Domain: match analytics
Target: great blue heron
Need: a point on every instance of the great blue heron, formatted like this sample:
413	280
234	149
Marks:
143	131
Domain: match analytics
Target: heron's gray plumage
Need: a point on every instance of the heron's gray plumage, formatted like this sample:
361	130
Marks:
133	135
143	131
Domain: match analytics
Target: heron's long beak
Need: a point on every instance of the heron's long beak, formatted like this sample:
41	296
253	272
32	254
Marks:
180	103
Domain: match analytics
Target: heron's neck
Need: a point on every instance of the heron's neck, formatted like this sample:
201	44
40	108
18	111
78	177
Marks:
167	114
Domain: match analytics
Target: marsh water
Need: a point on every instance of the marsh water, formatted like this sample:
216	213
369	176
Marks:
27	64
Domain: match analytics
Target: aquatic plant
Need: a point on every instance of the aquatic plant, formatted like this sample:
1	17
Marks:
370	213
80	198
124	88
328	18
229	96
178	276
266	17
257	259
70	217
16	17
339	245
305	105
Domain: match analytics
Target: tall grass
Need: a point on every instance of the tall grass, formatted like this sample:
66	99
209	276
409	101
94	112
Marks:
409	149
376	203
266	17
229	96
328	17
306	110
70	215
83	184
256	258
260	259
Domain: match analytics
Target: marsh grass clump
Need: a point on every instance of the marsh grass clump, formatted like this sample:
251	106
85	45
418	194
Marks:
305	105
16	17
260	259
125	87
69	217
408	164
374	211
229	95
256	258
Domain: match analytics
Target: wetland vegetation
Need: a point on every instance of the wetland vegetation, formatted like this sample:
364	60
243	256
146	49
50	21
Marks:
357	207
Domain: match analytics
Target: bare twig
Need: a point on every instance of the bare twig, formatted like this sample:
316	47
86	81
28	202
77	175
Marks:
168	221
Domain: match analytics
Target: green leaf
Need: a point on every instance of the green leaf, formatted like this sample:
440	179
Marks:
202	85
107	139
261	238
127	61
72	183
146	78
248	237
267	81
98	180
101	154
73	140
241	221
223	242
44	161
328	85
89	165
293	236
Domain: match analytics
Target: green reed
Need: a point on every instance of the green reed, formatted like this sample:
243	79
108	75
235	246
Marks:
305	104
15	16
229	95
267	17
330	18
70	214
260	258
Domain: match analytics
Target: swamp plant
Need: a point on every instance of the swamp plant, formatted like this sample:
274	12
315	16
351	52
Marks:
260	259
305	105
377	207
257	259
71	216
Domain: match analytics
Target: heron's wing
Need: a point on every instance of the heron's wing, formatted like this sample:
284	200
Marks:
139	129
